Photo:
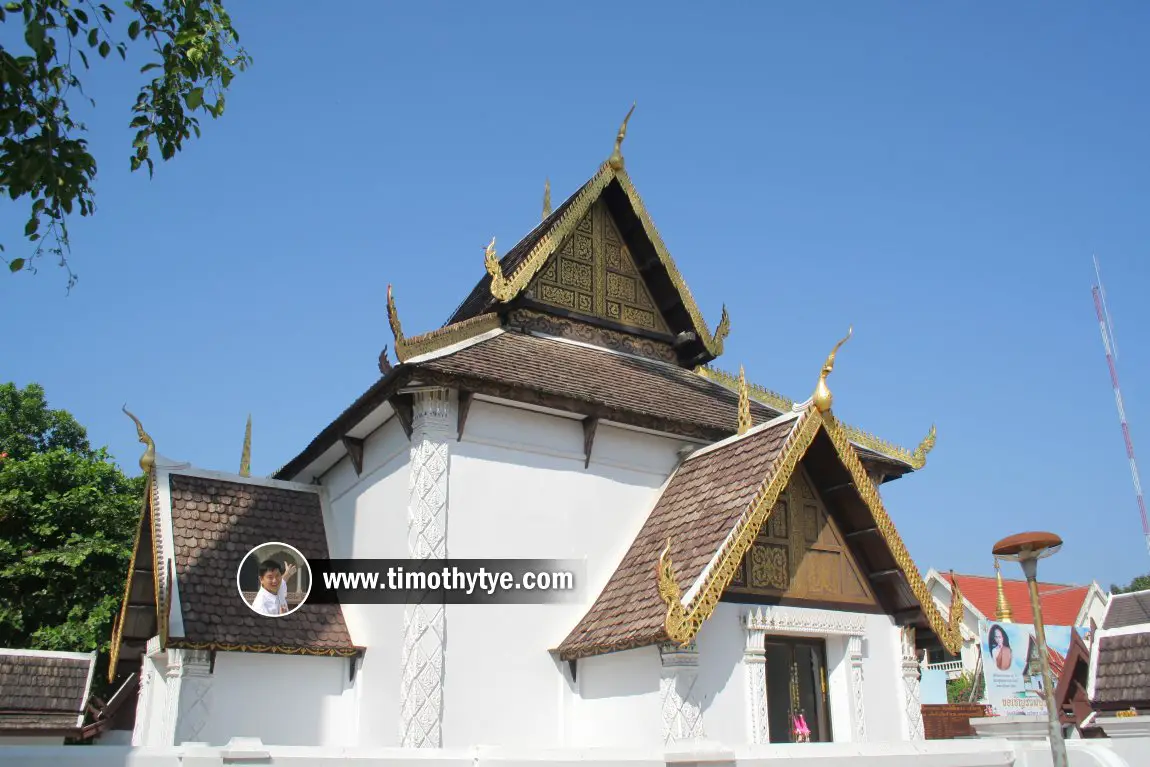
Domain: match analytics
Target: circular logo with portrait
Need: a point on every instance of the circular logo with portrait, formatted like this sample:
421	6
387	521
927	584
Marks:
274	579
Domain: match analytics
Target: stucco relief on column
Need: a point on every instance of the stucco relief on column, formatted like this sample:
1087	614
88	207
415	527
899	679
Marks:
855	654
755	662
432	430
189	688
682	710
911	672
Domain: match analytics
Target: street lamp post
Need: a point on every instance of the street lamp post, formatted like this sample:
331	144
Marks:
1027	549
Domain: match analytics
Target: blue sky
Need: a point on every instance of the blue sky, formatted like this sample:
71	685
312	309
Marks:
939	177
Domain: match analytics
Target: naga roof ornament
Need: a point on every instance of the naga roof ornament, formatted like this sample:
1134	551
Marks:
546	198
246	454
148	459
396	327
616	160
822	398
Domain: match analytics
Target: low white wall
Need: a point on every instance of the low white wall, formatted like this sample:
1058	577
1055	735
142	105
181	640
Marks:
283	699
937	753
618	703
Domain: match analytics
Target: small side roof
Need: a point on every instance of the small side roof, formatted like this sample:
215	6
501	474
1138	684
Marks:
43	690
687	551
1127	610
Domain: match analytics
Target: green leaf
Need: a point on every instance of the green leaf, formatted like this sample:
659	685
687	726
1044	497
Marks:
134	30
105	49
194	98
32	225
16	265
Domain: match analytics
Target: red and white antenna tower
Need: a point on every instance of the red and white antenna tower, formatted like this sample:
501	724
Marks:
1111	354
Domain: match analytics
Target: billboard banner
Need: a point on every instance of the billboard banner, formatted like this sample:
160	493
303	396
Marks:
1012	669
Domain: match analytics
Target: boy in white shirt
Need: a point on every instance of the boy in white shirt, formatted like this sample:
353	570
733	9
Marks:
272	596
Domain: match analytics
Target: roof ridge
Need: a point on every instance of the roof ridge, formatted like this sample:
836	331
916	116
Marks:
1061	586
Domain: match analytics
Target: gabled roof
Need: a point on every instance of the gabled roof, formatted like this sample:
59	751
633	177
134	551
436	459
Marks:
1125	610
686	554
508	277
195	529
1120	655
1061	604
43	690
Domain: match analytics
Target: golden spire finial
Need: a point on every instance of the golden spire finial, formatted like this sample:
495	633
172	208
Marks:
246	455
745	422
1002	612
616	160
822	398
148	459
546	198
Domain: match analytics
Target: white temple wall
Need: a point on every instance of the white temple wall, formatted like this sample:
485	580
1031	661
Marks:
883	687
518	489
367	518
721	687
283	699
618	704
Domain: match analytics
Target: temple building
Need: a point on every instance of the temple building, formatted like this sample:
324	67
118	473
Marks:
743	576
987	599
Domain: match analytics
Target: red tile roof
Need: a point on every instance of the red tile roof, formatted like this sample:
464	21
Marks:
1060	603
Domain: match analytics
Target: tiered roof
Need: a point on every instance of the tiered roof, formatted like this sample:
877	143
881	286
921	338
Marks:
1061	604
589	312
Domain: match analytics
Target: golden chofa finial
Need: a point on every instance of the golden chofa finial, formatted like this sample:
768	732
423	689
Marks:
822	398
246	455
745	422
546	198
918	457
616	160
1002	612
148	459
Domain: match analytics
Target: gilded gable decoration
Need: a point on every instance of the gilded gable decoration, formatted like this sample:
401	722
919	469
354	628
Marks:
594	274
616	160
148	459
822	398
546	198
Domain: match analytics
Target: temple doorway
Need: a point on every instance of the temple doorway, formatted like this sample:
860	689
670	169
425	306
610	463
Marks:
797	690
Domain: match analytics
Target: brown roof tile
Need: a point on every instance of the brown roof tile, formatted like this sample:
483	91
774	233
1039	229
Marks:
1123	674
42	691
1127	610
697	511
215	524
631	384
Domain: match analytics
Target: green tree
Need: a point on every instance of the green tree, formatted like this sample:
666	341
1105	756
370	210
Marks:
44	157
1141	583
68	517
966	688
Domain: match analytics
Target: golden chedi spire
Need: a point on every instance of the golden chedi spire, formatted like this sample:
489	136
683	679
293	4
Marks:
1002	612
246	454
822	398
745	422
616	160
148	459
546	198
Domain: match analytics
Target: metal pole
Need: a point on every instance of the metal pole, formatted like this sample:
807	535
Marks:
1057	744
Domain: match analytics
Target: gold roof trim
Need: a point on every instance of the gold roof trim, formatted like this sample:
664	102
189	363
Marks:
118	626
745	421
682	622
246	454
406	348
278	649
506	287
773	399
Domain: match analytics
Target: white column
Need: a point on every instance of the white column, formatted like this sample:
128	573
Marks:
189	684
911	672
144	702
855	654
755	663
433	427
682	714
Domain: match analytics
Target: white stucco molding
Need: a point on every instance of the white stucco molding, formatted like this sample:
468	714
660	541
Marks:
433	429
755	663
855	654
778	619
681	707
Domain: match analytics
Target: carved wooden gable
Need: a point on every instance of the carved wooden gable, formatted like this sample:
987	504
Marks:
800	554
593	274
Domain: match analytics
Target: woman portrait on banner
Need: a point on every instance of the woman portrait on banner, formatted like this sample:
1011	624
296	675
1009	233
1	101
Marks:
999	648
